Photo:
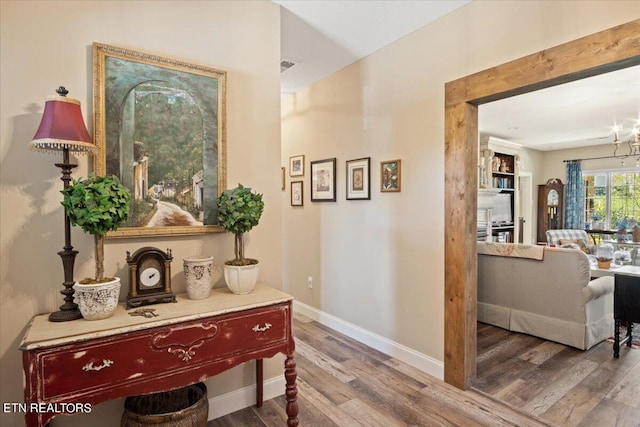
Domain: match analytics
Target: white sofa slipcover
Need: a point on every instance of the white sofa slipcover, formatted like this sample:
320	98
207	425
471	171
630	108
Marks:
554	299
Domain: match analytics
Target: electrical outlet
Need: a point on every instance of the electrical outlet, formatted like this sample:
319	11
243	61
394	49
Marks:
310	282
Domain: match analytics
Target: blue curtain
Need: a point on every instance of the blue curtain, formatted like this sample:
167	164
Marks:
574	197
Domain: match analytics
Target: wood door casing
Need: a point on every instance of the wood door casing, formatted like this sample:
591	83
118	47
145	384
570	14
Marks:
608	50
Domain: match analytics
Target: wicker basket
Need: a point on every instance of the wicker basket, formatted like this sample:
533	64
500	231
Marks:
184	407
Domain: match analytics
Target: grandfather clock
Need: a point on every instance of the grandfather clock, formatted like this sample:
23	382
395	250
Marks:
550	207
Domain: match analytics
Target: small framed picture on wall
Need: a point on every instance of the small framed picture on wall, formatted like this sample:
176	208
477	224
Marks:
390	176
358	176
297	193
296	165
323	180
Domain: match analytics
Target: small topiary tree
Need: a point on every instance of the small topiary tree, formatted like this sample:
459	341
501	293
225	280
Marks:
239	210
98	204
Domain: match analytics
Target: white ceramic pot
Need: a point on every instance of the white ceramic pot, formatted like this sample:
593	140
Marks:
97	301
241	279
197	274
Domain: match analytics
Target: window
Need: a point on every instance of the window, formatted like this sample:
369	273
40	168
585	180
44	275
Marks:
612	196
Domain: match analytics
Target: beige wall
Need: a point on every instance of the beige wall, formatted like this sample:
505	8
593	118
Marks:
554	166
47	44
379	264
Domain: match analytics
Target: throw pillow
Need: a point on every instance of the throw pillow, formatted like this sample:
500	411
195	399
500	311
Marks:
580	242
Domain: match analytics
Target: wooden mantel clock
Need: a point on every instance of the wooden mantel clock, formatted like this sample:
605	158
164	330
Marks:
149	277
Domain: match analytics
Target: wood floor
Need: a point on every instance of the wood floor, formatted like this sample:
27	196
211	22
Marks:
344	383
563	385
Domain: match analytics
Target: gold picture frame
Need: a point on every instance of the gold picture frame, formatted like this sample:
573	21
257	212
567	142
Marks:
390	176
160	126
296	165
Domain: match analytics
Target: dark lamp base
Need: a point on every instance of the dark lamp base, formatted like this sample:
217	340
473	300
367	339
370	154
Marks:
65	315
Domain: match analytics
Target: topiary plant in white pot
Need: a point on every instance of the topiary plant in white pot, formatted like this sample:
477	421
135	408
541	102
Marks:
98	204
239	210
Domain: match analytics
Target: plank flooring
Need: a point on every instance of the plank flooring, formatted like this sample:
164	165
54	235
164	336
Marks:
344	383
563	385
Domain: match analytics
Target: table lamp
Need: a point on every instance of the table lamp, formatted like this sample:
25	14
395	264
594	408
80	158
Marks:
62	129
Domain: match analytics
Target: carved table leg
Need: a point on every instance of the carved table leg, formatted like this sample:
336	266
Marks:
34	419
290	375
31	419
259	377
616	339
629	333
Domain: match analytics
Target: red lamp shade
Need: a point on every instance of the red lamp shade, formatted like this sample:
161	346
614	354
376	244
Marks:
62	126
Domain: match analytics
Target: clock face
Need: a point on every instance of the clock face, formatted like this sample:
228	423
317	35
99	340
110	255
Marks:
150	273
149	277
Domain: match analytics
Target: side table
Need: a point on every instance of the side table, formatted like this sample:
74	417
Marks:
94	361
626	306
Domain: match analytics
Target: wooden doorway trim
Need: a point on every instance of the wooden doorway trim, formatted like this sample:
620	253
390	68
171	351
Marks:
608	50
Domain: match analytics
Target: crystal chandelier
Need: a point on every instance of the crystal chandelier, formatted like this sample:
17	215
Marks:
628	148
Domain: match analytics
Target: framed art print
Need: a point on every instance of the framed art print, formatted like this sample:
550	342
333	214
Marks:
390	176
323	180
296	165
297	193
358	176
159	125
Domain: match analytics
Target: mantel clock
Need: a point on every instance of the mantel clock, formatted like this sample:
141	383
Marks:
150	277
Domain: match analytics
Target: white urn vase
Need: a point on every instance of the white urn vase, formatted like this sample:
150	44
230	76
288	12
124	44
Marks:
97	301
241	279
197	274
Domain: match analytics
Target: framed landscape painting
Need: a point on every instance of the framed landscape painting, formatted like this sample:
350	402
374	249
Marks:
159	125
358	175
323	180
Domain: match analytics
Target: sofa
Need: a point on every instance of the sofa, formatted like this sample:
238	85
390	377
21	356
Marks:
560	236
570	238
551	297
579	239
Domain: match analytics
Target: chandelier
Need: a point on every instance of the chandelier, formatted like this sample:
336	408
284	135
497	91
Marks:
628	148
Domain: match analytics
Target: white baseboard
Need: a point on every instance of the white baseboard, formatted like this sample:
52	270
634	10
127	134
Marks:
403	353
245	397
236	400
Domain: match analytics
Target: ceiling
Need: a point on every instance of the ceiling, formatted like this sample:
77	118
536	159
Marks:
321	37
575	114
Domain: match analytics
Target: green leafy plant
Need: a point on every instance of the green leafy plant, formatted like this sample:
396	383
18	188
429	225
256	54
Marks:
98	204
239	210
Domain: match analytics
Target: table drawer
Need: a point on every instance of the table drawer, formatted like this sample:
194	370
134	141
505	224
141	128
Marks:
159	352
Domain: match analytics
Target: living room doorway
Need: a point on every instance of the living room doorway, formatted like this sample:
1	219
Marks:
608	50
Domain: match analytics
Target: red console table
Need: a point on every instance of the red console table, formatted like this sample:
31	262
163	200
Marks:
81	361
